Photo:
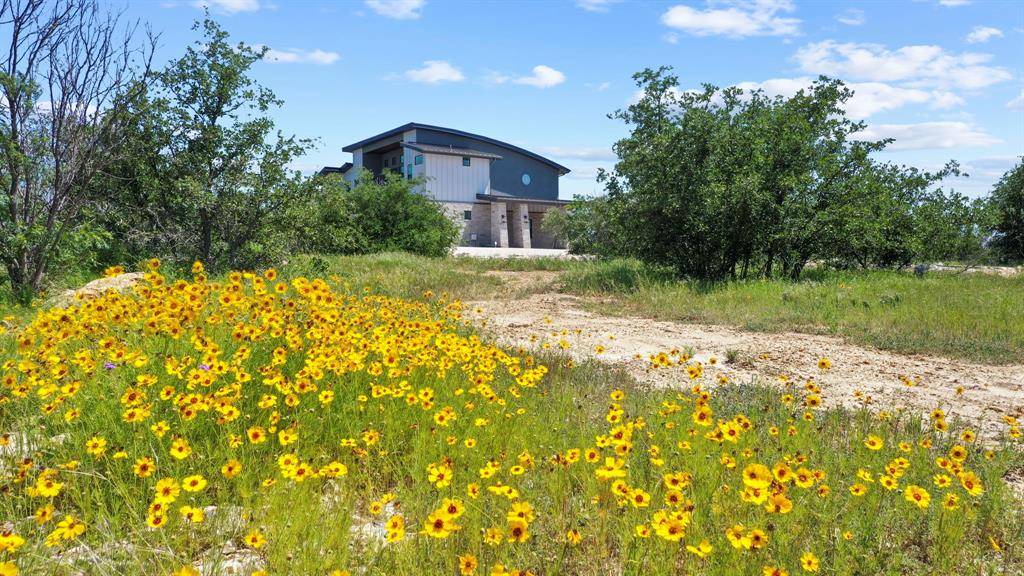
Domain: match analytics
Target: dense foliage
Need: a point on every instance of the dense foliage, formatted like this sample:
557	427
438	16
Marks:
1008	208
725	183
383	214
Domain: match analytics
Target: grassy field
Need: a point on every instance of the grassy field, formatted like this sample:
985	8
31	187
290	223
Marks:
975	317
971	316
339	419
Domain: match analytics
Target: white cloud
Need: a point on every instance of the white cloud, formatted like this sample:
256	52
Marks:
596	5
229	6
1017	103
734	18
578	153
953	3
929	135
945	100
435	72
297	56
542	77
982	34
397	9
917	66
851	17
602	86
868	98
671	38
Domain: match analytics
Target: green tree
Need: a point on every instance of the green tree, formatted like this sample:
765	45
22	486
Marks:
68	70
721	183
208	178
1008	211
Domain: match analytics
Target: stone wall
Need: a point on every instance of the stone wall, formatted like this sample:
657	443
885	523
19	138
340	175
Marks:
477	230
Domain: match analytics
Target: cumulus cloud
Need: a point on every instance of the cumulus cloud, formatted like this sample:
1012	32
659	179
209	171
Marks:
868	97
297	56
542	77
954	3
916	66
982	34
1017	103
434	72
229	6
851	17
734	19
929	135
397	9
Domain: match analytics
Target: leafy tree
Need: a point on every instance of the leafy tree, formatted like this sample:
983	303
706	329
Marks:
209	177
66	74
721	183
586	226
1008	207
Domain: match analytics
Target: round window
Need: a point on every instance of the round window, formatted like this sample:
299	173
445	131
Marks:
526	179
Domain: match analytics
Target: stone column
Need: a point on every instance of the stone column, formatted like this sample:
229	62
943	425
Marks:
499	226
522	215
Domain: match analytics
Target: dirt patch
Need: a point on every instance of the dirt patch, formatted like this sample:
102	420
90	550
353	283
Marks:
524	283
882	380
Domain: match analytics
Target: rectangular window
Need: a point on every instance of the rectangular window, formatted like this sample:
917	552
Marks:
467	214
465	160
418	159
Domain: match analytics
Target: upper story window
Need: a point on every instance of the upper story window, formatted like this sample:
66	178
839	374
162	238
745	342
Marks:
418	159
465	160
526	179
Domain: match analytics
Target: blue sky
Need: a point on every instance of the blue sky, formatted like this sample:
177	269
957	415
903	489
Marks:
943	77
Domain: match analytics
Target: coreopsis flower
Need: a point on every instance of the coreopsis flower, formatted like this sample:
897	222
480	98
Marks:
917	496
255	539
467	565
439	525
701	550
757	476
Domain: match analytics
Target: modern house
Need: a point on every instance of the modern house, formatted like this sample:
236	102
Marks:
498	193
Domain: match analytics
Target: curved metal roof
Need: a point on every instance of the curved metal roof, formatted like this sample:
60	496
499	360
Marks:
562	170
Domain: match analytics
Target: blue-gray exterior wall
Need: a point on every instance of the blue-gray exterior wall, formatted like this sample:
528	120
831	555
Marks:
507	173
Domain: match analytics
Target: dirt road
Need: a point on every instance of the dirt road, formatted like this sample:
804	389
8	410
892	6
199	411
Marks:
976	392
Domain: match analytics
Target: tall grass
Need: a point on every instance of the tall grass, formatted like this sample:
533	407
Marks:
972	316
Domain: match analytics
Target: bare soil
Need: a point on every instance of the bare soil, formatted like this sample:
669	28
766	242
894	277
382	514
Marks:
530	311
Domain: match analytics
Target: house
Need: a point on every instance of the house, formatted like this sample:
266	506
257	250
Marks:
497	193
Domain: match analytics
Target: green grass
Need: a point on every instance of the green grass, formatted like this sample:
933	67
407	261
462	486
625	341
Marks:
976	317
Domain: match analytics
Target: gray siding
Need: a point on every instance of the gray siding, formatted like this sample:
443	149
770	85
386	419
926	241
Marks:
507	173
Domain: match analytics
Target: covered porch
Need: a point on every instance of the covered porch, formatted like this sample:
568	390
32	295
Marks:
516	222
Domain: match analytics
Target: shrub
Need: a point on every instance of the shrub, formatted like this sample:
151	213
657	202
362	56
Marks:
385	214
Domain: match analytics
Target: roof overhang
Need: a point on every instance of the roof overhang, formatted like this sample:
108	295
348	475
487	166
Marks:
521	200
449	150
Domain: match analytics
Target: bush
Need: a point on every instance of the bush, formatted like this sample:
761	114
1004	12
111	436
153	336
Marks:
385	214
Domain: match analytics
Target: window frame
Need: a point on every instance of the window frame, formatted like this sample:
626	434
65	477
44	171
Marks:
418	160
467	161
